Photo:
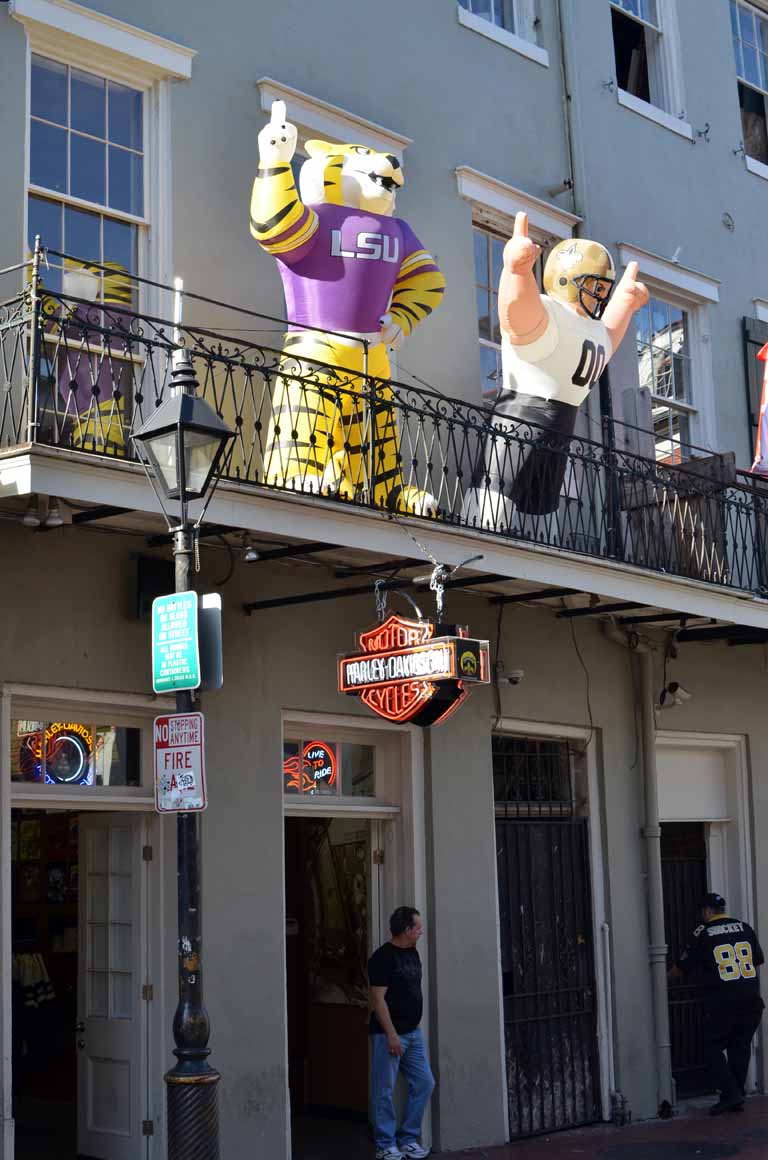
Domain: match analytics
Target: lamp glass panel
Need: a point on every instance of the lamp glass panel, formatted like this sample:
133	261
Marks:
161	450
200	450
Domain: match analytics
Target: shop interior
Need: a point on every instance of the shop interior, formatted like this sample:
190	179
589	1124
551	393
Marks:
44	891
328	940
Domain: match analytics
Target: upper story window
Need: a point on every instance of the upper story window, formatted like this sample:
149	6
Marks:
86	178
749	29
499	12
636	47
489	253
664	360
513	23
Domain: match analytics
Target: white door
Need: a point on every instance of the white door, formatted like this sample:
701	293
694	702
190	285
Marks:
111	1081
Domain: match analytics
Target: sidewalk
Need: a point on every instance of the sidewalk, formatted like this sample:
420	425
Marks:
691	1135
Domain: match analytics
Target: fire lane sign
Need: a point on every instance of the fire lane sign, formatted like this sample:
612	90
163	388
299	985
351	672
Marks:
179	763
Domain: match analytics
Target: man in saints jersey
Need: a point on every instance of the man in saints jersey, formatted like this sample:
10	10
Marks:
725	952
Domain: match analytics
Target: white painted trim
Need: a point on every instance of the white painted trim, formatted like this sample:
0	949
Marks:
603	981
756	167
500	35
482	190
655	114
330	121
91	479
64	26
692	285
761	309
129	704
296	806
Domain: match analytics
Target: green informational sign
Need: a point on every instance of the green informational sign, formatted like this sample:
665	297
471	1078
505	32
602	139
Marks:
175	648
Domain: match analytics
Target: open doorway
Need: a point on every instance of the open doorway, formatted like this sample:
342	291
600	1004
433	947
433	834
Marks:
45	893
331	903
80	949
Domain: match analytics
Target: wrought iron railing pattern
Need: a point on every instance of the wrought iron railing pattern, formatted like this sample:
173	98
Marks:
84	376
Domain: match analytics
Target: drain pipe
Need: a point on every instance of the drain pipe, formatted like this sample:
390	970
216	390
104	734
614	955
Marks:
652	834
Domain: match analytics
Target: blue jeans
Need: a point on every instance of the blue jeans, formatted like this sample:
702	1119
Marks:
421	1083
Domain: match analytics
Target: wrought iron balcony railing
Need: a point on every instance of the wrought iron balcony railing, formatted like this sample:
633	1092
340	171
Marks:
84	375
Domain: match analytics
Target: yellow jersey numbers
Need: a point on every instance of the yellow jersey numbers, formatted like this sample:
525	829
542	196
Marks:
734	961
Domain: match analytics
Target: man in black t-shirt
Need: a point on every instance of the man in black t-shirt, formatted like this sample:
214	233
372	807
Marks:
726	953
394	977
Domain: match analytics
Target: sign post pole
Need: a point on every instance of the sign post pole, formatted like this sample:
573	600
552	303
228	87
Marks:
193	1111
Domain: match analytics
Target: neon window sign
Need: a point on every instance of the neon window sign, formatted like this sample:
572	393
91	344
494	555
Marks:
311	767
58	754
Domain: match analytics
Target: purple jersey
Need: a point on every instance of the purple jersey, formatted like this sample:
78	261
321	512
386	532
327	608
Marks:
343	276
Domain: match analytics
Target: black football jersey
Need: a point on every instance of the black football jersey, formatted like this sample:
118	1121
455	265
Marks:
727	954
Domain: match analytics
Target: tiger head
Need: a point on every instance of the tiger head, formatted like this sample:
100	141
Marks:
351	175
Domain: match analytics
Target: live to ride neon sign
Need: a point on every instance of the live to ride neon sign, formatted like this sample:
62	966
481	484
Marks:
403	671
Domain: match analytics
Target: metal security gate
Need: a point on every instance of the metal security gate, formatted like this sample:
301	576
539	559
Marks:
684	875
550	1018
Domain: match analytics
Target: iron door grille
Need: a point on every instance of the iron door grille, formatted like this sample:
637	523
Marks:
684	877
550	1018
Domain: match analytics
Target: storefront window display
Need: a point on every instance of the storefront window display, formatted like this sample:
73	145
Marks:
322	768
75	753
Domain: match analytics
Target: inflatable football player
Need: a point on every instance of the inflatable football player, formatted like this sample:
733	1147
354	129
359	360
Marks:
554	347
349	266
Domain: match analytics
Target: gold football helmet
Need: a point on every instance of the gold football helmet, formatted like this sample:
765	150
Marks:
580	273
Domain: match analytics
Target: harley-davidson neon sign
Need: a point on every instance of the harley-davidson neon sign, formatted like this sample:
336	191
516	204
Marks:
404	672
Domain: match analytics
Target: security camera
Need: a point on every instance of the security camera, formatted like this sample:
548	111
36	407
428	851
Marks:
673	694
514	676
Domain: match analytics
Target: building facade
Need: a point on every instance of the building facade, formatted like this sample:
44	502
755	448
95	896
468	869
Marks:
556	832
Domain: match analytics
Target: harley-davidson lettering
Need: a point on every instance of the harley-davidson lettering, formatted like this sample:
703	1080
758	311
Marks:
405	672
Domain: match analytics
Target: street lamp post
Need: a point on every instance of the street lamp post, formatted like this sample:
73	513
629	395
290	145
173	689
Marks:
184	441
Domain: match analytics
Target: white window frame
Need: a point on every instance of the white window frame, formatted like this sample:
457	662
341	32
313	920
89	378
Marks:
752	165
88	40
523	41
494	205
695	293
666	72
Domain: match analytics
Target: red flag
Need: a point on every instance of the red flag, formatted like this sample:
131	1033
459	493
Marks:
760	466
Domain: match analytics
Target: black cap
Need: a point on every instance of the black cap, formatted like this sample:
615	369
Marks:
713	901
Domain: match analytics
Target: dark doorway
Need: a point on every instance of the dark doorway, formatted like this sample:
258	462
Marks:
328	885
44	893
545	910
684	875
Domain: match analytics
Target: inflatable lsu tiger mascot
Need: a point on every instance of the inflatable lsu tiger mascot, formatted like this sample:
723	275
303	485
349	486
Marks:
347	265
554	347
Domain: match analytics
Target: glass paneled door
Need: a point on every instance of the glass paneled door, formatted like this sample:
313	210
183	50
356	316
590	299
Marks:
111	1011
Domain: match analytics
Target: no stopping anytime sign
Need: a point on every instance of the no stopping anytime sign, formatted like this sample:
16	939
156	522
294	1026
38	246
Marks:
179	764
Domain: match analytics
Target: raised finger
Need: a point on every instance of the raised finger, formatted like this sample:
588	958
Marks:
278	113
521	226
632	271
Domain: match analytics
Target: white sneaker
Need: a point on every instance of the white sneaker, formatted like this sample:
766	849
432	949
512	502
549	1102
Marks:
414	1149
390	1154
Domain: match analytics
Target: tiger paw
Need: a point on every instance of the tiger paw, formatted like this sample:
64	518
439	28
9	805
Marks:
411	501
277	140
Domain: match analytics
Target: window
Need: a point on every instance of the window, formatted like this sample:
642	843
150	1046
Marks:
74	753
664	360
489	252
86	175
513	23
324	768
750	46
636	46
499	12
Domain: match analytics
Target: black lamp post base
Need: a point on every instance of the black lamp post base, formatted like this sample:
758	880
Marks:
193	1115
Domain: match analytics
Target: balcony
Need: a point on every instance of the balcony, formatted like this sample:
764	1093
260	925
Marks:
82	375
